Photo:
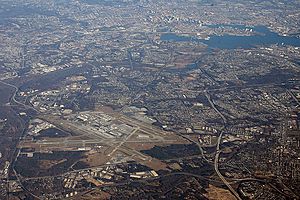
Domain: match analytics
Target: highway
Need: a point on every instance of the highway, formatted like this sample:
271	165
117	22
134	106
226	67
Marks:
13	97
214	107
218	151
152	130
192	141
16	150
216	165
293	96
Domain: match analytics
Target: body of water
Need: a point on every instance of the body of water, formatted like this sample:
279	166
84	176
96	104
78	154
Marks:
263	37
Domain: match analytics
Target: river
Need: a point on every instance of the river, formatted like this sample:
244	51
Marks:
264	37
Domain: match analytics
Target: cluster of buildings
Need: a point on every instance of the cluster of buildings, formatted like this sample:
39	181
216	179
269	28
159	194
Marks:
68	57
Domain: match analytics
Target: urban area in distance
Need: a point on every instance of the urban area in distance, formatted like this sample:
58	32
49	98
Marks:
150	99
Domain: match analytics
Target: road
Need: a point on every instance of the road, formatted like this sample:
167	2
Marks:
218	151
293	96
216	165
13	97
153	130
16	150
214	107
192	141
